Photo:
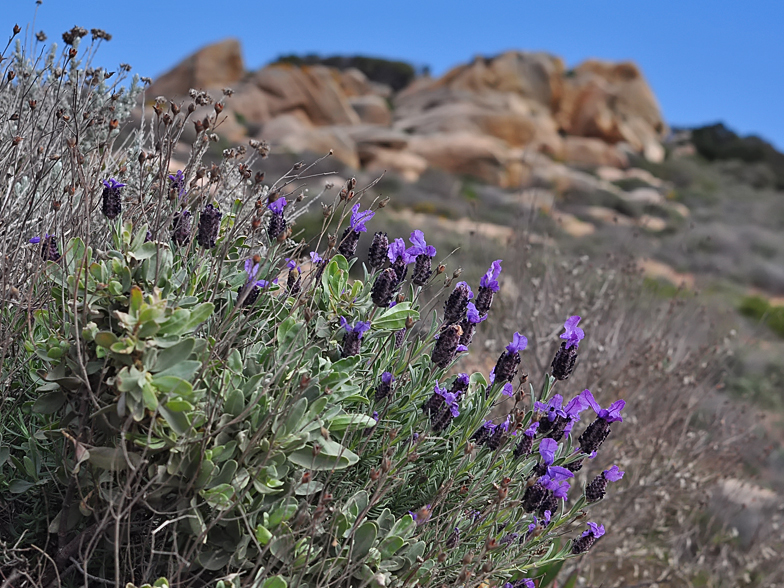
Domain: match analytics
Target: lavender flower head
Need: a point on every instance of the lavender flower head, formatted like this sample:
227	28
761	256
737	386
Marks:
472	314
359	329
398	249
358	219
387	378
277	206
178	183
594	529
112	201
573	334
490	279
419	246
610	414
462	380
450	400
525	583
531	430
518	344
547	449
545	520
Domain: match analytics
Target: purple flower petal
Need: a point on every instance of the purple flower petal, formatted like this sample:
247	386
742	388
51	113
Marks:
594	529
613	474
419	245
519	342
531	430
470	292
277	206
113	184
490	279
558	473
508	389
358	219
387	377
463	380
35	240
315	257
547	449
573	334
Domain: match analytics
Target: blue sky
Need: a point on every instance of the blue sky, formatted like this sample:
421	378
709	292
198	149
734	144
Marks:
706	60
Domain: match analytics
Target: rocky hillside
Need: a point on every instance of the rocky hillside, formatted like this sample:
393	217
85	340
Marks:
489	119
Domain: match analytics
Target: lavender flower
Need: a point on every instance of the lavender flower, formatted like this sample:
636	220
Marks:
294	279
598	487
469	324
588	538
559	421
419	246
573	334
315	258
49	249
446	346
384	389
353	336
378	251
177	187
524	583
350	237
499	435
547	449
456	306
525	444
453	540
484	432
566	356
598	430
399	258
423	253
252	286
400	337
446	411
181	228
508	389
277	222
488	286
506	366
384	288
209	225
112	201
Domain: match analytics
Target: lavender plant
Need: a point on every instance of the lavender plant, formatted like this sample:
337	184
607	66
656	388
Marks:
179	413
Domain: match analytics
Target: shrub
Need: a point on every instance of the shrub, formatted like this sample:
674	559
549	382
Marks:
190	394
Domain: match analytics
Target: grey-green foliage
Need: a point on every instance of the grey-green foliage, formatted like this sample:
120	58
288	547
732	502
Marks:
156	425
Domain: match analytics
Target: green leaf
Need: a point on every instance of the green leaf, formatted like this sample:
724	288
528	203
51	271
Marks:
220	496
173	385
49	403
183	369
19	486
322	461
136	301
234	403
198	315
394	319
364	537
284	511
390	546
146	250
173	355
176	419
356	504
105	339
294	416
263	535
343	421
275	582
404	527
112	458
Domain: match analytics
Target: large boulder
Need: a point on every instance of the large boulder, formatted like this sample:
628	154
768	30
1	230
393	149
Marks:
371	109
406	164
538	76
294	133
213	66
464	153
314	90
592	152
612	102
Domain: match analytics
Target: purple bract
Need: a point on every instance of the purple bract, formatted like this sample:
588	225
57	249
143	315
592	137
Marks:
610	414
573	334
419	246
277	206
519	342
490	279
358	219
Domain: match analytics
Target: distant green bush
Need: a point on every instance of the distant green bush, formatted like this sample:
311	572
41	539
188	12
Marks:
716	142
759	309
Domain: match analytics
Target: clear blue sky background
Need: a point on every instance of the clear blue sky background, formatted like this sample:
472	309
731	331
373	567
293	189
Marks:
707	60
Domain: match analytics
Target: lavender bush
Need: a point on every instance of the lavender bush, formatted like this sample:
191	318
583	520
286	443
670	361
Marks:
190	394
